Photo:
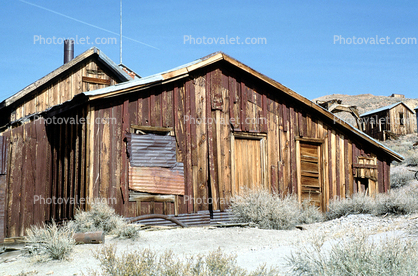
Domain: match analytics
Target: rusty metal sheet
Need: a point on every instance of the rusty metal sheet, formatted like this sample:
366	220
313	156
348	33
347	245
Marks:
202	218
156	180
152	150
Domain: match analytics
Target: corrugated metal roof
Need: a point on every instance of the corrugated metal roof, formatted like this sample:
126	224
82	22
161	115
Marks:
137	82
384	109
112	66
125	85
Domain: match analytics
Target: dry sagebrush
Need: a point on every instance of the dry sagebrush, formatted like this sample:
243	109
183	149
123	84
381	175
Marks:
49	242
358	255
102	217
395	202
400	179
146	262
270	211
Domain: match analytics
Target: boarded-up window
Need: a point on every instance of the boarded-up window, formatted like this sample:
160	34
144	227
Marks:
153	165
365	174
309	176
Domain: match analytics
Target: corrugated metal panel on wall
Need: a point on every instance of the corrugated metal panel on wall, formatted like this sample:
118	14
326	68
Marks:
156	180
152	150
153	165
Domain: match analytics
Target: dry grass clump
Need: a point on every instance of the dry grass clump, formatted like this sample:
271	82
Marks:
395	202
357	204
102	217
53	242
270	211
358	255
400	179
49	242
146	262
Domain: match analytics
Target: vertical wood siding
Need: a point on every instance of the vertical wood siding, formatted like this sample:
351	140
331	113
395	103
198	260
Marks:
64	88
206	111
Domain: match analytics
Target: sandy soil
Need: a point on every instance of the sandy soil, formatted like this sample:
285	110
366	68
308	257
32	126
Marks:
251	245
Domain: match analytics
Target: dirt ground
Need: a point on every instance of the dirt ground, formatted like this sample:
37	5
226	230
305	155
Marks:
252	246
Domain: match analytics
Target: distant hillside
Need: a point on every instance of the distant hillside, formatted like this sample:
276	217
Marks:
368	102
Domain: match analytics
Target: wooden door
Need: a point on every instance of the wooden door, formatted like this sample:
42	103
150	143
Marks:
248	169
309	174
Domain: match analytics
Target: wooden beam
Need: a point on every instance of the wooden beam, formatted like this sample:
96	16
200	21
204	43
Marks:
95	80
365	166
151	129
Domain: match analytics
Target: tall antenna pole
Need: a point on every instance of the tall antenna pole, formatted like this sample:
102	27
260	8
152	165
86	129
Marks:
120	32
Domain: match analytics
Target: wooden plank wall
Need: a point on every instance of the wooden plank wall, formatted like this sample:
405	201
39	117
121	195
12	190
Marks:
4	149
408	125
47	164
202	111
89	160
64	88
392	122
67	143
28	176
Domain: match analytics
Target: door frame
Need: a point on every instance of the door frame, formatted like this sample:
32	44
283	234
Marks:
262	137
322	172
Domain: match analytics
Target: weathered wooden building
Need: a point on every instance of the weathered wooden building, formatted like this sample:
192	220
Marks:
416	113
181	141
397	119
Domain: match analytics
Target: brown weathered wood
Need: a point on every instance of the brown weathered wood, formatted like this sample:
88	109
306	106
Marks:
216	92
211	152
365	166
292	131
155	107
298	171
225	156
200	184
243	106
92	164
264	119
338	167
124	158
189	88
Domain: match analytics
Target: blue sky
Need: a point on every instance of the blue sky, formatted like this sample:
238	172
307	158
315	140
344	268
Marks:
299	49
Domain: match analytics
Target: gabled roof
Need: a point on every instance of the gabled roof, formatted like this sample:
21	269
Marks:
183	72
386	108
120	73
